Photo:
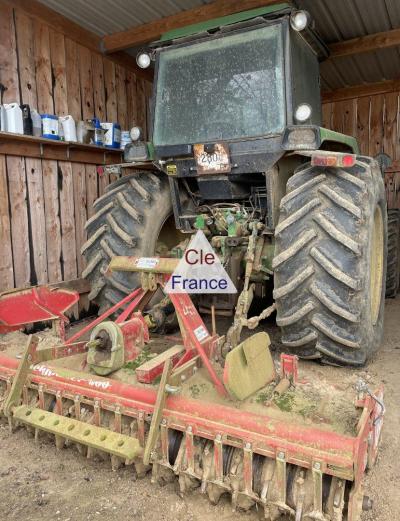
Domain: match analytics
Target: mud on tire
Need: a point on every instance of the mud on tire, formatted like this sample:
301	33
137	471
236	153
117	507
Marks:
127	221
329	305
393	259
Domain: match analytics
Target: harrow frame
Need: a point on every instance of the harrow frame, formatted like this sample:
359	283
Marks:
319	452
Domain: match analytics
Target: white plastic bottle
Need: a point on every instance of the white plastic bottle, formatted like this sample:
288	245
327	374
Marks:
14	118
36	123
69	128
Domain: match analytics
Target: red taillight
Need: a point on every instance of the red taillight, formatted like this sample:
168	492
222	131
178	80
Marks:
349	160
326	159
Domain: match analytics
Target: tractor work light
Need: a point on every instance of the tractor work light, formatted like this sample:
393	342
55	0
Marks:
136	133
303	113
143	60
301	138
299	20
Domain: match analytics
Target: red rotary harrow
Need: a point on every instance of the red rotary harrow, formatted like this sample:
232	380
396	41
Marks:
236	426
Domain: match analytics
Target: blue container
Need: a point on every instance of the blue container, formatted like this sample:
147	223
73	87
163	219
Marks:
112	136
50	126
98	138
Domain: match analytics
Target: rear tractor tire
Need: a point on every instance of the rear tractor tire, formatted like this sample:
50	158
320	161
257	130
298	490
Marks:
134	217
330	262
393	262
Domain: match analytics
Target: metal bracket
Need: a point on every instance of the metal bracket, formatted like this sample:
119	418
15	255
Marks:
14	396
157	414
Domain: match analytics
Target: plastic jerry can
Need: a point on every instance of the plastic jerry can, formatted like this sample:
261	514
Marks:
27	120
69	128
50	126
14	118
36	123
112	136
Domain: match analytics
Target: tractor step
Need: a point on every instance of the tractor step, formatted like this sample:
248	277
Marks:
119	445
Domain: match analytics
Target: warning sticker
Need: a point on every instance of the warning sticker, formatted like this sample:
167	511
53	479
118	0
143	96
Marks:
201	333
147	262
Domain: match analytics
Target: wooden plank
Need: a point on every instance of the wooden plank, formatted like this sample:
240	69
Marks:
359	91
26	58
337	116
368	43
37	220
58	67
391	137
98	87
33	167
120	84
79	185
363	124
350	117
67	218
153	30
110	91
327	115
38	11
53	228
8	63
19	220
6	260
43	68
11	144
79	182
131	99
376	125
72	75
86	80
141	106
91	188
148	90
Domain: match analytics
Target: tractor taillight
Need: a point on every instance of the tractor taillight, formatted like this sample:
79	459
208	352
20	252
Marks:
335	160
349	160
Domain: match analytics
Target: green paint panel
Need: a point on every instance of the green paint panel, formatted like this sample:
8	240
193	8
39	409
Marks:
337	137
223	20
249	367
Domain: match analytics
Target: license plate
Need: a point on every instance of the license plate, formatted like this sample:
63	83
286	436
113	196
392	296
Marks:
215	161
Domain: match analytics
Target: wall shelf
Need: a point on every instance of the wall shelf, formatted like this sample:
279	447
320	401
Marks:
42	148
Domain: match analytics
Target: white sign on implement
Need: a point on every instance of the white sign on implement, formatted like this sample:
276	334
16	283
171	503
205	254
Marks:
147	262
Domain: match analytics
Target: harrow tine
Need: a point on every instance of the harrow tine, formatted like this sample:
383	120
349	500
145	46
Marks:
189	449
281	476
218	459
299	509
248	469
60	441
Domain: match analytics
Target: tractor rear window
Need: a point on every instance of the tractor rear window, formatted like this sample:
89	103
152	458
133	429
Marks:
226	88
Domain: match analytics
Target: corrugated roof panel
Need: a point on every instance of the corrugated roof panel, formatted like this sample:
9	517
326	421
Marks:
105	17
335	21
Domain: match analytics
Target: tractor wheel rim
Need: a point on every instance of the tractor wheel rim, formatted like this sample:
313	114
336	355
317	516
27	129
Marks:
376	264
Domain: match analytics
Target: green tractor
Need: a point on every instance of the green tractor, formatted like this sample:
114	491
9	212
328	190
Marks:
237	150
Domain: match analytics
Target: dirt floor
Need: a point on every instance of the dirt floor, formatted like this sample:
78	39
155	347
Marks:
37	482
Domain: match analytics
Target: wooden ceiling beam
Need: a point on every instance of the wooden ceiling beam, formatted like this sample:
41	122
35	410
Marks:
363	44
75	32
360	91
152	31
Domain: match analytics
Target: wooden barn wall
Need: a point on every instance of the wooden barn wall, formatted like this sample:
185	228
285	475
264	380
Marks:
373	120
44	203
